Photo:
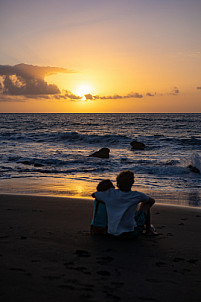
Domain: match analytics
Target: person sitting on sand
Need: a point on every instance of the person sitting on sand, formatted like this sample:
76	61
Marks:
124	219
100	221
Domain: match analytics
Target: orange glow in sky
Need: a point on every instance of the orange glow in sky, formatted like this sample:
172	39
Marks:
100	56
83	89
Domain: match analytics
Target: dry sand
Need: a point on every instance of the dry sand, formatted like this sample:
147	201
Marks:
47	254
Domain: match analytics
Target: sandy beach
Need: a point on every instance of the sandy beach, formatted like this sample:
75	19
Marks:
48	254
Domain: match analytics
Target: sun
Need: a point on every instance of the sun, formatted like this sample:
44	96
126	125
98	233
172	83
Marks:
83	89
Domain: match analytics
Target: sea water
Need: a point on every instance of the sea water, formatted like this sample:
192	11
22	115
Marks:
48	154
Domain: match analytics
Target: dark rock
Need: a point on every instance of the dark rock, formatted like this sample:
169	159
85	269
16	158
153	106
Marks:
194	169
26	162
137	145
102	153
38	165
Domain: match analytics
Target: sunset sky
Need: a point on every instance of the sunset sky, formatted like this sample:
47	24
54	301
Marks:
100	56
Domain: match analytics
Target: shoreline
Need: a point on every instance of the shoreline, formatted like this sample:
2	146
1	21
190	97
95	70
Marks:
88	199
48	254
83	189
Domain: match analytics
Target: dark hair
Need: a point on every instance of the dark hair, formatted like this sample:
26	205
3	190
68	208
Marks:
105	185
125	180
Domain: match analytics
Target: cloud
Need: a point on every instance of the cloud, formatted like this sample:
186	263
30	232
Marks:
150	94
70	95
174	91
89	96
198	87
28	80
113	97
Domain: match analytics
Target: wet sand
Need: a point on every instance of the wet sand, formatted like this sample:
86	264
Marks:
47	254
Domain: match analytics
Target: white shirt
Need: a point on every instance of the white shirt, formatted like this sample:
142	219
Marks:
121	207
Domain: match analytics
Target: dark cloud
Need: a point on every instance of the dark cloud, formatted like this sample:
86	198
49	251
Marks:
127	96
30	71
198	87
89	96
150	94
175	91
28	80
69	95
113	97
28	87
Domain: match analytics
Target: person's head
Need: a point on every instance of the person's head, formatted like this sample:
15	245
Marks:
105	185
125	180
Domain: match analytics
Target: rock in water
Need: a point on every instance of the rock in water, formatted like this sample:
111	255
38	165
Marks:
137	145
194	169
102	153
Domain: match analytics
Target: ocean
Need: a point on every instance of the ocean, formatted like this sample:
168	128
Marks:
48	154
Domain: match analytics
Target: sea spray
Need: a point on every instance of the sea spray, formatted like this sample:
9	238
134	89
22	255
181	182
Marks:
57	146
195	163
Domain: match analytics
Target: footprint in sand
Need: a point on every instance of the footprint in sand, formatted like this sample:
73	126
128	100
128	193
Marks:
82	253
73	284
111	296
104	273
82	269
71	266
169	234
88	287
70	263
104	260
117	284
66	286
153	280
52	278
160	263
108	250
109	292
147	299
178	259
186	270
192	261
161	227
3	237
17	269
74	281
85	297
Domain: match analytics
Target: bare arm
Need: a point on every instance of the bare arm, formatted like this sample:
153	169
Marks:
100	201
146	205
151	201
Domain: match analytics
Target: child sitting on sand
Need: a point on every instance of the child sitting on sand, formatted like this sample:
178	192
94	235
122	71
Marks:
100	221
124	219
